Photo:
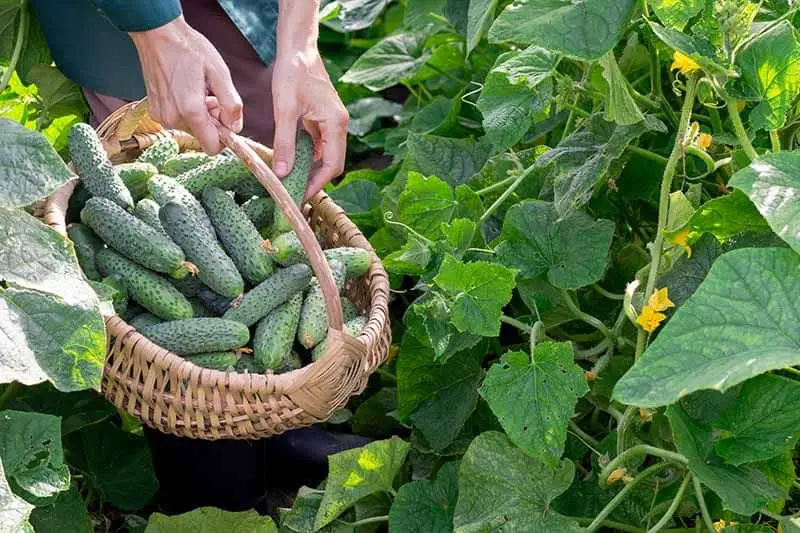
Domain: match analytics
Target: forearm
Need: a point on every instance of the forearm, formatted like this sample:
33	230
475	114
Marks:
298	25
139	15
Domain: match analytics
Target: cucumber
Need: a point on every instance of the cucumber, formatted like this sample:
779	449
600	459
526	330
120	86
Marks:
269	294
146	210
120	298
199	309
133	310
249	365
274	336
135	177
160	152
351	327
94	167
313	316
184	162
238	235
87	243
222	361
144	319
198	335
77	200
148	289
349	310
260	211
165	189
188	286
286	250
297	180
133	238
247	187
214	302
222	172
216	270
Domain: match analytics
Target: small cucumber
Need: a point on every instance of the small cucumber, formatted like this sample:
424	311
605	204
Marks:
351	327
135	177
215	269
238	235
249	365
297	180
133	238
223	361
143	320
165	189
160	152
146	210
199	309
94	167
150	290
274	336
269	294
183	163
188	286
349	310
260	211
222	172
87	244
313	316
248	187
214	302
287	250
198	335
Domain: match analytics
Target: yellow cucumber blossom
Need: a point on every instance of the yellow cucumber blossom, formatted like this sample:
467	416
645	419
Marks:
703	141
682	239
616	475
651	316
683	63
659	300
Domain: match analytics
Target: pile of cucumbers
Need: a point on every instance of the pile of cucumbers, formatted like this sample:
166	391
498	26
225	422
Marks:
196	258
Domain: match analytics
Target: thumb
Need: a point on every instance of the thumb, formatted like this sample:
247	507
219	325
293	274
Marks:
285	134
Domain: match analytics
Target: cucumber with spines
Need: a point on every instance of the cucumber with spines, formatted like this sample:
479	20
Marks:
87	244
222	172
188	286
274	335
222	361
135	177
269	294
260	211
286	250
165	189
313	316
198	335
95	168
184	162
297	179
146	210
160	152
349	310
353	327
248	365
214	302
143	320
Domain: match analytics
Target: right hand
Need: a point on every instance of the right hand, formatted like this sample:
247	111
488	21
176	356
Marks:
181	67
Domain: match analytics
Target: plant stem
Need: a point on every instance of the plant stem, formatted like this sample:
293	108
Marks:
575	428
775	139
622	428
628	528
496	186
366	521
508	192
738	125
15	55
676	501
716	121
640	449
652	156
608	294
585	317
701	500
516	323
590	353
703	155
578	111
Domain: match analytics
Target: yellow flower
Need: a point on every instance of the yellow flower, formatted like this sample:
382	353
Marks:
659	300
704	141
683	63
722	524
650	319
681	239
645	414
616	475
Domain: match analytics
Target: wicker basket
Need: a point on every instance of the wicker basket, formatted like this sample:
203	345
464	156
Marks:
172	395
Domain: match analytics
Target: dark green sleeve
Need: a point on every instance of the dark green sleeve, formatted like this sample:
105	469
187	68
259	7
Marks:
139	15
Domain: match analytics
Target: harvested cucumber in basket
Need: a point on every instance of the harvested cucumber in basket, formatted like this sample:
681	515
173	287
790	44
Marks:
134	239
146	210
188	286
183	163
94	167
297	180
222	172
351	327
135	177
313	316
198	335
143	320
216	303
287	250
274	336
165	189
160	152
269	294
222	361
260	211
87	244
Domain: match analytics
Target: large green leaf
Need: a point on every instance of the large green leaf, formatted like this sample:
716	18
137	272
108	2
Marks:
479	17
76	409
677	13
58	95
425	203
426	505
479	291
366	111
529	67
741	322
620	108
67	512
534	398
359	14
585	30
701	51
428	319
394	59
770	74
743	489
772	182
30	168
30	445
9	20
501	488
571	252
354	474
14	511
211	520
453	160
300	518
437	398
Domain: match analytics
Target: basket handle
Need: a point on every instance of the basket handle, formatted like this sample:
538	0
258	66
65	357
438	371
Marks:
319	264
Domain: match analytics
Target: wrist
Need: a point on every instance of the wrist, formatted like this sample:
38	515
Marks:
170	32
298	26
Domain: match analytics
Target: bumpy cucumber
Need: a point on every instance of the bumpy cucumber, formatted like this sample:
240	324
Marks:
214	302
87	244
184	162
165	189
160	152
120	298
222	172
248	187
313	316
199	309
215	360
297	180
133	310
216	270
238	235
269	294
143	320
286	250
146	210
198	335
135	177
133	238
349	310
78	199
260	211
94	167
272	341
188	286
150	290
351	327
249	365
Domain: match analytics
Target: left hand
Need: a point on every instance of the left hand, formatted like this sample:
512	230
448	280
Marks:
301	89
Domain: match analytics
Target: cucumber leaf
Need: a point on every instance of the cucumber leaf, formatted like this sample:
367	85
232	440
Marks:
359	14
508	109
621	108
453	160
701	51
425	203
530	67
677	14
67	512
394	59
14	511
366	111
426	505
210	519
479	18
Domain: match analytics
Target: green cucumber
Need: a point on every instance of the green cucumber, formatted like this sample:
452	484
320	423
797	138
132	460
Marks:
286	250
214	302
133	310
222	361
144	319
313	316
165	189
222	172
297	180
248	187
133	238
274	336
87	244
135	177
160	152
198	335
249	365
215	269
260	211
351	327
349	310
188	286
269	294
95	168
147	288
146	210
77	200
238	235
183	163
199	309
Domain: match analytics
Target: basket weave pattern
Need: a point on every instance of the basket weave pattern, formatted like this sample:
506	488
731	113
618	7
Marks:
174	396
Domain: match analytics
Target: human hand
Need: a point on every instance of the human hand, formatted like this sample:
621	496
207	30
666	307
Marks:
180	68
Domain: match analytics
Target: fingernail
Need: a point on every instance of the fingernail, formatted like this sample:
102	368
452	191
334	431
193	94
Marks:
238	125
281	167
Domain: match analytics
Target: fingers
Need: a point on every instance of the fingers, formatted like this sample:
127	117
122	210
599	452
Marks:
230	103
334	146
286	117
195	115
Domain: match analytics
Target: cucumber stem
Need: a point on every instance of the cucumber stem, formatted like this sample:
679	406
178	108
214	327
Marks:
15	55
